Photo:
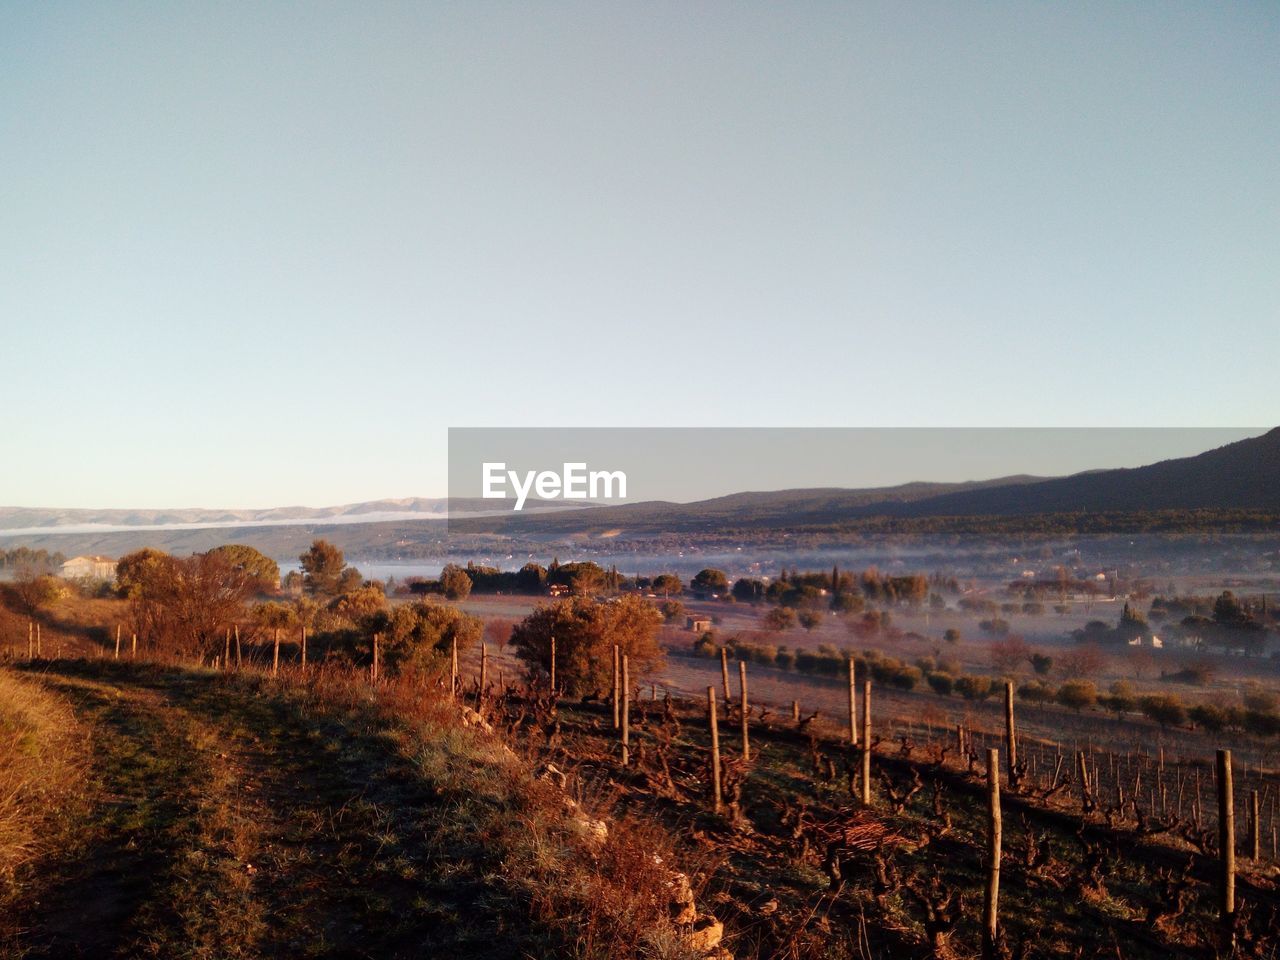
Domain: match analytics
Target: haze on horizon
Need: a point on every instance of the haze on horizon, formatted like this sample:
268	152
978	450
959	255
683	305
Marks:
253	258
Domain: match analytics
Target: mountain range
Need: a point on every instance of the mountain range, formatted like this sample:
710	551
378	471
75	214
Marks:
1240	476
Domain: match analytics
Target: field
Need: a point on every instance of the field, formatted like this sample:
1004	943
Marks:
177	809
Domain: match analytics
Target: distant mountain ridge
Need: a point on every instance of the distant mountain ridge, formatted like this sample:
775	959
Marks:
23	517
1244	475
1240	476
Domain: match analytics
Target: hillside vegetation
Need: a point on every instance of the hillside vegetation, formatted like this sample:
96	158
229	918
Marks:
231	815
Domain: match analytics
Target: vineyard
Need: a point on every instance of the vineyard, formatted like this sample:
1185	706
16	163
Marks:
802	854
840	828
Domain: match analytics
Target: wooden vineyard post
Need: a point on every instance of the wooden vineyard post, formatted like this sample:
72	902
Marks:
239	657
275	653
626	712
373	666
226	649
795	710
39	651
453	669
853	706
117	641
724	674
866	743
133	648
715	749
551	667
304	649
1255	828
991	897
617	688
1086	796
960	743
746	710
1010	737
31	641
484	672
1226	838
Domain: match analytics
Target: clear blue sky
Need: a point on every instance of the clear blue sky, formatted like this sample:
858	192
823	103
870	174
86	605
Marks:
254	254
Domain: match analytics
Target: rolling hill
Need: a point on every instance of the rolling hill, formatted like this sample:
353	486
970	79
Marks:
1240	477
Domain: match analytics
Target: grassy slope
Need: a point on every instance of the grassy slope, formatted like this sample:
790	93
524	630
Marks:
42	762
241	817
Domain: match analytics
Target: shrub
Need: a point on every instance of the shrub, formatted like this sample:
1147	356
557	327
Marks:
941	683
1077	694
1207	717
1193	674
806	661
1261	723
906	678
952	667
585	633
1262	701
884	670
705	645
1165	709
1036	692
418	632
809	620
974	688
1123	697
779	619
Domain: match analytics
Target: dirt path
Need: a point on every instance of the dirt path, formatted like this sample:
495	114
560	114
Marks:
232	824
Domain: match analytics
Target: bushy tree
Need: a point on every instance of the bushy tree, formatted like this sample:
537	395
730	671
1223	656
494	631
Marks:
274	616
454	582
418	634
323	567
1077	694
847	601
184	605
810	620
1165	709
671	610
1207	717
585	633
349	580
779	619
365	608
668	585
974	687
1036	692
709	581
941	683
1123	698
34	592
1008	655
136	569
997	626
264	571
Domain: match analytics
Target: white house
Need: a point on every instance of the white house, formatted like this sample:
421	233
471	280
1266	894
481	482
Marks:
95	568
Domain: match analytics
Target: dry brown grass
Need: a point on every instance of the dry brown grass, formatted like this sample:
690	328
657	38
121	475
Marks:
42	763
